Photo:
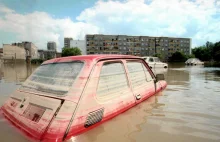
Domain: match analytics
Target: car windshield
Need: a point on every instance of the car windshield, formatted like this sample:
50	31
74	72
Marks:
54	78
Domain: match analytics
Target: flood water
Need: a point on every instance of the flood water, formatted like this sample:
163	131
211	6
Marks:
188	110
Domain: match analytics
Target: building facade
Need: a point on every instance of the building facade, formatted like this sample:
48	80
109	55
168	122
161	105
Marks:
47	54
81	44
67	41
31	50
12	52
52	46
137	45
23	51
1	53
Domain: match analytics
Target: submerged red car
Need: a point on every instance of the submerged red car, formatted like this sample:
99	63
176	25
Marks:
67	96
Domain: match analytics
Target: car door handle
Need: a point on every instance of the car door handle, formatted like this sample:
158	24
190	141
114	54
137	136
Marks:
138	97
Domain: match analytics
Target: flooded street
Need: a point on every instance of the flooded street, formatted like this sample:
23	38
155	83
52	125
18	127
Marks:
188	110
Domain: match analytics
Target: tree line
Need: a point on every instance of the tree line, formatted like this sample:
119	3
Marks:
208	52
73	51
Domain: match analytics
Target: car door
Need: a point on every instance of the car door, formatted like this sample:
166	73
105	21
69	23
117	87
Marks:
107	93
141	79
158	64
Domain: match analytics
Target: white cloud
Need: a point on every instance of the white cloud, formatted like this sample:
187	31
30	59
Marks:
184	18
5	9
197	19
40	27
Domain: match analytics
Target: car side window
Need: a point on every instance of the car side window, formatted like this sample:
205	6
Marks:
136	74
151	60
112	79
147	73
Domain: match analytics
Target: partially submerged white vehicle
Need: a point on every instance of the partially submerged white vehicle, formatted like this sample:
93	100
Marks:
154	62
194	61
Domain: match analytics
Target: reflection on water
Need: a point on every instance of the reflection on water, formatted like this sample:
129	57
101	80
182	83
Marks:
11	77
18	72
188	110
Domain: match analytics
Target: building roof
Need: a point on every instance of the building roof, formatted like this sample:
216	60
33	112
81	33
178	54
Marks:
91	58
135	36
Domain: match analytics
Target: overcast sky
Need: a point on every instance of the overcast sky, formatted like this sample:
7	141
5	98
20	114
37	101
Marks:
40	21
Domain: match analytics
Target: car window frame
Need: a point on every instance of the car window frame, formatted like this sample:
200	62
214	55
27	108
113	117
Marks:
105	98
144	65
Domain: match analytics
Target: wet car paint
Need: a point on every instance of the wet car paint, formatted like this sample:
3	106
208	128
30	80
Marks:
58	127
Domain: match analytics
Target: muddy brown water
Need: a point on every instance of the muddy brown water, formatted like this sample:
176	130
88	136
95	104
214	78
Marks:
187	111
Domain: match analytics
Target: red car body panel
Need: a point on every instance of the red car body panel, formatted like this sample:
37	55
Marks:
66	116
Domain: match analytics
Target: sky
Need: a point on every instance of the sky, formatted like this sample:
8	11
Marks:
40	21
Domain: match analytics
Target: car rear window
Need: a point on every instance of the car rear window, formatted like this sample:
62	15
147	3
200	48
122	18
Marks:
54	78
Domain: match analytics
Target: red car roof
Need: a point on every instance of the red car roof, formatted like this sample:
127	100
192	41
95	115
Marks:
89	57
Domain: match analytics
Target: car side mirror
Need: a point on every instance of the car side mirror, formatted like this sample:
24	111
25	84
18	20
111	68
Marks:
159	77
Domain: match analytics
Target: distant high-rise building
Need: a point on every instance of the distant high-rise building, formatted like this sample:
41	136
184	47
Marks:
67	41
137	45
51	46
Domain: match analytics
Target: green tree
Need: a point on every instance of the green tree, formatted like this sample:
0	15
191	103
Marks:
216	51
73	51
160	56
190	56
178	57
203	53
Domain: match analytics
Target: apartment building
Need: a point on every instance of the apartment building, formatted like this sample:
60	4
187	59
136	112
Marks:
136	45
52	46
1	53
67	41
11	52
22	51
